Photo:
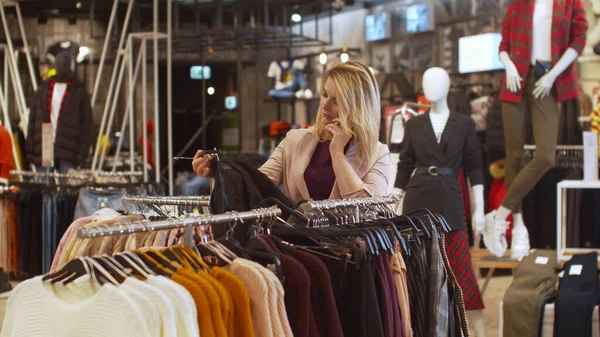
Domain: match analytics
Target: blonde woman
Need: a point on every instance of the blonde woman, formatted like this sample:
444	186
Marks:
340	156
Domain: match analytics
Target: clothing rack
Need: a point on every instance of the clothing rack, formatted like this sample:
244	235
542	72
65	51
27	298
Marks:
356	203
31	174
558	147
168	201
187	223
78	176
119	174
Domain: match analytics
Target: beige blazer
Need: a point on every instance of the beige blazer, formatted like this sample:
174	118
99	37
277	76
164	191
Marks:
291	158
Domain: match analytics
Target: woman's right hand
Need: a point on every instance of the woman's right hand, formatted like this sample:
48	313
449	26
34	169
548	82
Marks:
201	165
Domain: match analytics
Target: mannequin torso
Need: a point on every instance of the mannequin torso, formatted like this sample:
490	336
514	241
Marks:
541	31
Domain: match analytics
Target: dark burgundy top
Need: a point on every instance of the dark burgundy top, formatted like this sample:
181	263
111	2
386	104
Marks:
319	175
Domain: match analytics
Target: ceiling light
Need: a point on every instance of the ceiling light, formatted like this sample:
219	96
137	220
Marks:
323	58
344	57
78	5
296	17
210	91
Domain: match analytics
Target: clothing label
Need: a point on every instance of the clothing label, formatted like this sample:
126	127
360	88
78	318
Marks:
47	145
541	260
576	269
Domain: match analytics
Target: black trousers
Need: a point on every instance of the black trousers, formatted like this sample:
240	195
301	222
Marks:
577	296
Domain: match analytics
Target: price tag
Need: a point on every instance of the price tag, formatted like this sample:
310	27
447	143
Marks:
47	145
541	260
576	269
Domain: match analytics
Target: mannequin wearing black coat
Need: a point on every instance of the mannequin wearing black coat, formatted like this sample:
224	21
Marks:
74	128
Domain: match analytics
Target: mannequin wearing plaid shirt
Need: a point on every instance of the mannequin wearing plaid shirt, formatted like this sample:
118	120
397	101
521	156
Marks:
533	30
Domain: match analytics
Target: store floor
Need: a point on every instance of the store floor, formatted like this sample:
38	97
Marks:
492	297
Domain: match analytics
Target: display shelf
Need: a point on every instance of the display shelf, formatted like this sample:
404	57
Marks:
564	253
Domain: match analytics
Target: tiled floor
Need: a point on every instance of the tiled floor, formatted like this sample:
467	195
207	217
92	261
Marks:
492	298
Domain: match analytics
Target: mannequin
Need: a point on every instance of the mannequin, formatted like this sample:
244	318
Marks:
435	146
289	79
557	25
63	101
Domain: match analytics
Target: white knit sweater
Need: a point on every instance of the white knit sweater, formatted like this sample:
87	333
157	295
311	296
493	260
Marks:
35	310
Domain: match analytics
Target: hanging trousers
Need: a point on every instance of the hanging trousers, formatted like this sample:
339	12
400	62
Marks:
577	296
461	324
438	292
534	282
544	117
417	267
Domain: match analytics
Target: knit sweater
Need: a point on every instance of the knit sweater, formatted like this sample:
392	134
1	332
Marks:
242	315
185	308
33	310
277	302
258	289
204	297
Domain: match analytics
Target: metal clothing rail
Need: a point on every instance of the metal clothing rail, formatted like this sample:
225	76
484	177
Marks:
30	174
168	201
558	147
356	203
187	223
118	174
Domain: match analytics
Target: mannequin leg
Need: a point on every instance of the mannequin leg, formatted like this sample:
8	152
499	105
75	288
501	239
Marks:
513	118
476	323
520	238
544	115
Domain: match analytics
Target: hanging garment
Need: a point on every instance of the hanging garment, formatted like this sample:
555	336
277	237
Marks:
534	283
577	297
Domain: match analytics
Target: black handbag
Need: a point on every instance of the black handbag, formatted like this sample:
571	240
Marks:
542	68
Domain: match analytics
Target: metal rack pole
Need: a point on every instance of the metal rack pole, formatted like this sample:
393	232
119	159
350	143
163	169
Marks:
144	108
113	108
121	52
26	48
129	108
156	107
113	14
170	97
205	219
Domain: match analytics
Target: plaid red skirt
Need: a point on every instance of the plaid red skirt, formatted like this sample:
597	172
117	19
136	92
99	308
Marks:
459	256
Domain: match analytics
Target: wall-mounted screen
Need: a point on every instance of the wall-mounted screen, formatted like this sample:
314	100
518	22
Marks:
231	102
419	18
200	72
377	27
479	53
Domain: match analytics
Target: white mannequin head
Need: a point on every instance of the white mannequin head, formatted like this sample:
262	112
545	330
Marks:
436	84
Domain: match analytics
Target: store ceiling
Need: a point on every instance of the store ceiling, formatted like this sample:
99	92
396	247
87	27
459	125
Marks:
81	8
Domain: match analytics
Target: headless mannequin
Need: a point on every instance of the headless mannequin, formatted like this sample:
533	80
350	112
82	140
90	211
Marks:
436	85
541	50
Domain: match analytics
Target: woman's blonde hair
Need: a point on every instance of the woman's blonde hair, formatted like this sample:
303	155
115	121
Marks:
358	102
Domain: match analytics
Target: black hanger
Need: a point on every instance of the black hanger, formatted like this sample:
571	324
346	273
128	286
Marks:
396	232
76	267
413	225
235	246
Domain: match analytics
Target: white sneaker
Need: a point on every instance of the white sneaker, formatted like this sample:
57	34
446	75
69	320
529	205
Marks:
300	94
493	235
519	246
308	94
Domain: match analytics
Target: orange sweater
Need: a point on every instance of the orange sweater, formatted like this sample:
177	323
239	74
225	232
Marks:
242	315
207	302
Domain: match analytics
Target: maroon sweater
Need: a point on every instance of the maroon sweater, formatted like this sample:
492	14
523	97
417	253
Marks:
319	175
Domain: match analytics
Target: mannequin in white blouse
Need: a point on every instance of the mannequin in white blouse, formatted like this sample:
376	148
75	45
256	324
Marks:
436	85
